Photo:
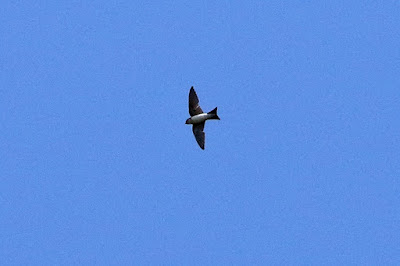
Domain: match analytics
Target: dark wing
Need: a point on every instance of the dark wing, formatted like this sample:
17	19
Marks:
194	107
199	134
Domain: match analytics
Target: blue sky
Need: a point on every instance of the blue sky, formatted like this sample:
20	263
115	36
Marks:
98	166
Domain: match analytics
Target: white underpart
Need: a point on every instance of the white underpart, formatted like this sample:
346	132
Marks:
199	118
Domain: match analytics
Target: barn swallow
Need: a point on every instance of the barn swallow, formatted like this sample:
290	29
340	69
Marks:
198	117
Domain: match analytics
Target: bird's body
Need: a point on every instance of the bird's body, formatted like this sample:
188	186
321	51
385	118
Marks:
198	117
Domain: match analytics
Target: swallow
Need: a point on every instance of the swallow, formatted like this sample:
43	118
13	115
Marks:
198	117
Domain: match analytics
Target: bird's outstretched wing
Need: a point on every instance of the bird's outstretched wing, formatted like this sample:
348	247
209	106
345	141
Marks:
199	134
194	107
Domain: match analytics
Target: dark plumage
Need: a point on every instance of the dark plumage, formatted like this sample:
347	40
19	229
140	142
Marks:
198	117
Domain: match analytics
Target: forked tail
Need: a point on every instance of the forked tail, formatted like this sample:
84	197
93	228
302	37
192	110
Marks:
214	113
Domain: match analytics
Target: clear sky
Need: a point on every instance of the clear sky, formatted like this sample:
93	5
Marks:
98	166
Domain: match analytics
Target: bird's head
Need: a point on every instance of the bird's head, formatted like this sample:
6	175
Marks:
187	121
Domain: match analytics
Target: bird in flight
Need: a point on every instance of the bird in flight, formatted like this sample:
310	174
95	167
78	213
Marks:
198	117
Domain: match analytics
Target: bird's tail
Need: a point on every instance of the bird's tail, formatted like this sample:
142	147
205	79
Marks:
214	112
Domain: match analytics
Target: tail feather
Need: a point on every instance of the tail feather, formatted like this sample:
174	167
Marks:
214	112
